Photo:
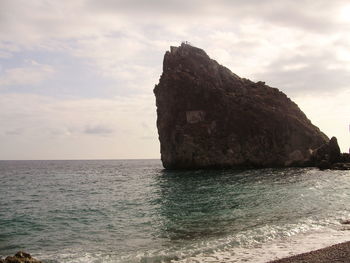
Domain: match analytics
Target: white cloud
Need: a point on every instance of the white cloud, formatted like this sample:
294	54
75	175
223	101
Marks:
344	14
128	59
124	44
31	74
293	67
42	127
5	54
98	129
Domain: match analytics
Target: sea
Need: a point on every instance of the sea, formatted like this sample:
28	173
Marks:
135	211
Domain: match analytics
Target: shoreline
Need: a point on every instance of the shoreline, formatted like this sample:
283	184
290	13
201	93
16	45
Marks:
339	253
335	253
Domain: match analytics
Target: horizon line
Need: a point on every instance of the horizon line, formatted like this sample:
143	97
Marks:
126	159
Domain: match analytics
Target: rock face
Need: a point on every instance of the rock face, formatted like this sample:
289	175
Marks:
210	117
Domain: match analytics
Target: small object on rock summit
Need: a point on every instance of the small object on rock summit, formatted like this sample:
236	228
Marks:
208	117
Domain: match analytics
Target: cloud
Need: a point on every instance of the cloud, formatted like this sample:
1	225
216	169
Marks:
46	24
307	74
92	50
31	74
286	12
128	59
125	46
98	130
42	127
5	54
43	24
14	132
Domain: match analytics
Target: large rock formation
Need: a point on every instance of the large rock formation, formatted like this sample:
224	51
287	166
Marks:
210	117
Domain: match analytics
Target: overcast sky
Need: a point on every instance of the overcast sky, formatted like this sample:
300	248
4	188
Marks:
77	77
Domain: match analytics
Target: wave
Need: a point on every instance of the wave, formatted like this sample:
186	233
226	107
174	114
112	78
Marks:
261	245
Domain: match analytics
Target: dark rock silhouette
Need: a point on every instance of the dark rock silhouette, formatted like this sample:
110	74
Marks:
328	156
329	152
210	117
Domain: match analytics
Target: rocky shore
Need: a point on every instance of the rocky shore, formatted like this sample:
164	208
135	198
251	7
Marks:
337	253
20	257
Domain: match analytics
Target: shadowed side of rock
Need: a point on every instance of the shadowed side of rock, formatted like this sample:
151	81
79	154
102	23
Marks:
208	116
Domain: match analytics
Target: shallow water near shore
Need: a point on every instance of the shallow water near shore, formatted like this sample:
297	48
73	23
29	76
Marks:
135	211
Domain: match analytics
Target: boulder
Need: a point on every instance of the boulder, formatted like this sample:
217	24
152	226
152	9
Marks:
328	156
209	117
329	152
324	164
20	257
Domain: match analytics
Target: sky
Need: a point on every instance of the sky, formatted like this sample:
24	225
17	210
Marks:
77	77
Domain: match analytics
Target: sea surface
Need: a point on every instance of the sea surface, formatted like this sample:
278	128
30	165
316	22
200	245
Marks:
135	211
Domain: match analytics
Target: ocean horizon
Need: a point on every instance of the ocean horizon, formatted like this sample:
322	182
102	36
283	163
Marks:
136	211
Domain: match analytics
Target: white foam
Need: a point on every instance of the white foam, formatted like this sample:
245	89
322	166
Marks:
250	246
280	248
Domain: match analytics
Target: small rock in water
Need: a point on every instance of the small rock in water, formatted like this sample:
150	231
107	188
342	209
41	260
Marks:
22	254
324	164
20	257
